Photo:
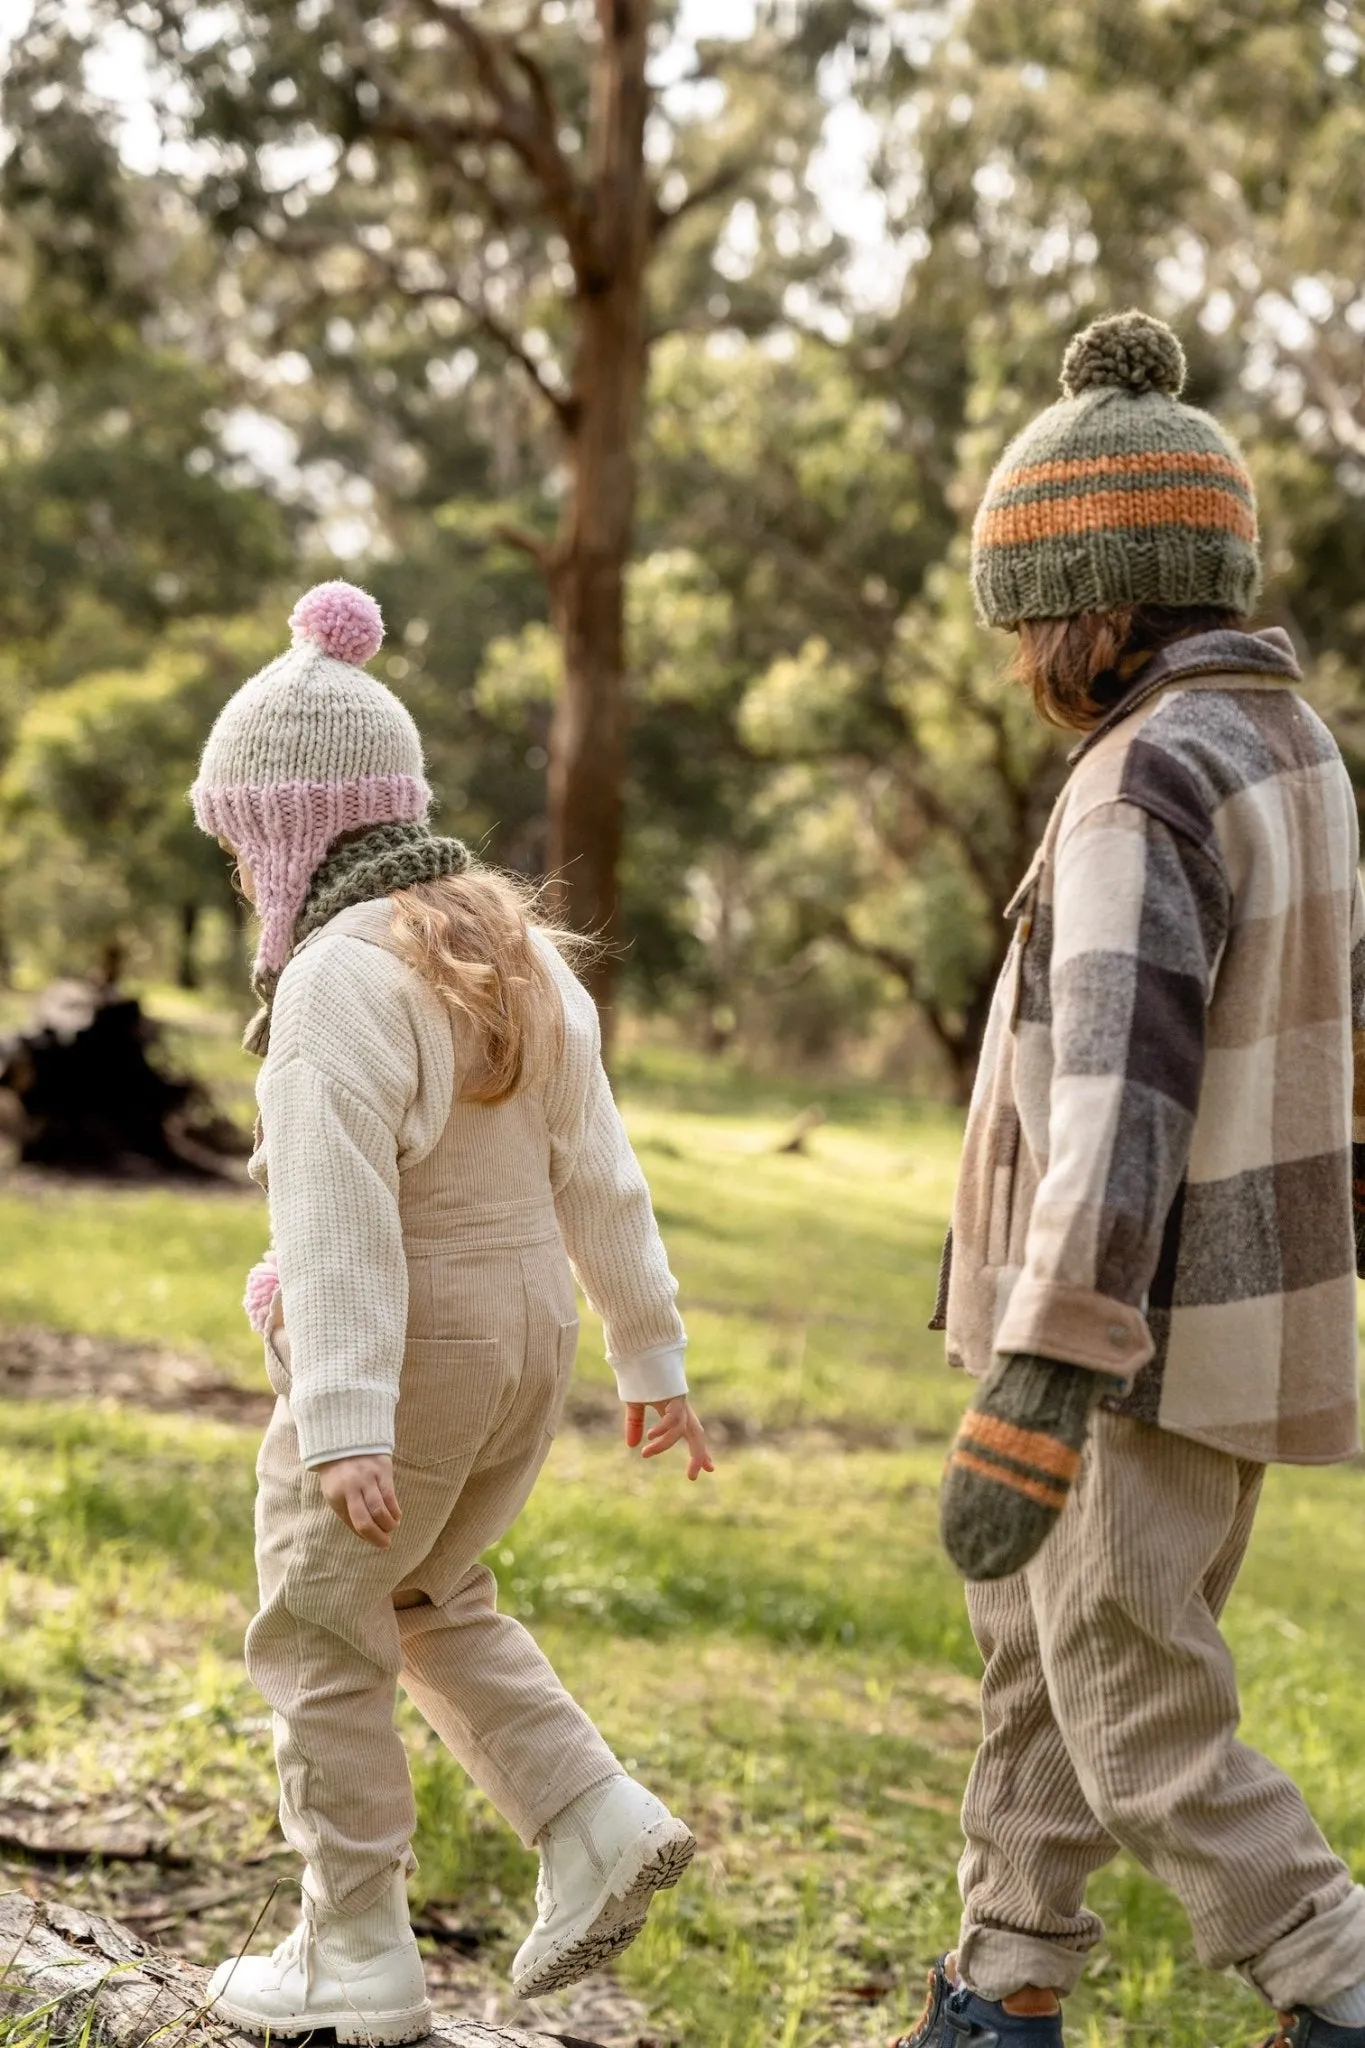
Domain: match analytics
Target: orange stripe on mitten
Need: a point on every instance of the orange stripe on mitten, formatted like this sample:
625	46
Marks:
1017	1452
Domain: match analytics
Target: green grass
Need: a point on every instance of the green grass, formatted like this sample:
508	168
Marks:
783	1652
805	1279
164	1267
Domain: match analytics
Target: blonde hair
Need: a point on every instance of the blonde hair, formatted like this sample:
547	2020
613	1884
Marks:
469	936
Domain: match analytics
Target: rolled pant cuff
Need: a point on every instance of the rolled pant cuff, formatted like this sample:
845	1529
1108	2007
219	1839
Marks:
531	1819
1321	1957
995	1962
361	1896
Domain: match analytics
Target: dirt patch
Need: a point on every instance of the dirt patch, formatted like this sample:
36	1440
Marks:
58	1183
61	1365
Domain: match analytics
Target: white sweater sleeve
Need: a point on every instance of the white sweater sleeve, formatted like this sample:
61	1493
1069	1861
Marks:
607	1222
342	1073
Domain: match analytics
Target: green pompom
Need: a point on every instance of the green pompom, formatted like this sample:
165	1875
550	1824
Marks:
1129	352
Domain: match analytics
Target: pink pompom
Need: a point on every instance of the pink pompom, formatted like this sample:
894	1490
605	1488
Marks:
262	1285
340	619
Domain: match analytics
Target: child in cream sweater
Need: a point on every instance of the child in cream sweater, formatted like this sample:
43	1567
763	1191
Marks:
442	1155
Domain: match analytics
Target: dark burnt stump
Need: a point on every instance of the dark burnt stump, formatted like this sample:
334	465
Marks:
87	1088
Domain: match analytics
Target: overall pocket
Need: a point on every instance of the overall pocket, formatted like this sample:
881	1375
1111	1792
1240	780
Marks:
449	1399
566	1351
278	1369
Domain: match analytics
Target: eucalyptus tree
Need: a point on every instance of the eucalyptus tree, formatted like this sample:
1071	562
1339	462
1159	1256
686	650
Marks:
545	186
122	509
1041	165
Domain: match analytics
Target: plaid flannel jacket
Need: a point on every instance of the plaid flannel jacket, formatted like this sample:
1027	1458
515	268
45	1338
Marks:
1157	1179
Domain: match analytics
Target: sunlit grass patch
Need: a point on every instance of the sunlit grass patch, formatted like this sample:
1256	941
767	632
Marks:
804	1279
782	1651
805	1544
156	1265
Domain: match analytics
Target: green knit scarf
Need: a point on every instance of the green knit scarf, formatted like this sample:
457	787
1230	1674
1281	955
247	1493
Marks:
373	864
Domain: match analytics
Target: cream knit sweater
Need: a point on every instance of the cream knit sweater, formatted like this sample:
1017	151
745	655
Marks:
356	1089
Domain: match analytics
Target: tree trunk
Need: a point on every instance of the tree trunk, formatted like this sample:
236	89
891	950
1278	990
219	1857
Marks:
588	737
587	567
187	965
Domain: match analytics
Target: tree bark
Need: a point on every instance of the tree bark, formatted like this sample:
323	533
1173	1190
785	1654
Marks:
587	565
53	1955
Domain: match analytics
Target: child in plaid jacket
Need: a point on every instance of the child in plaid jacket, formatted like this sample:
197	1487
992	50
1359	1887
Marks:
1153	1259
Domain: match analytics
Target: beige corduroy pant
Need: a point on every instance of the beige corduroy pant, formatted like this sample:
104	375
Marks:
342	1624
1110	1711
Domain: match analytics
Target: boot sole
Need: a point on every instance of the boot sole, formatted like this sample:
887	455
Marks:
410	2023
653	1863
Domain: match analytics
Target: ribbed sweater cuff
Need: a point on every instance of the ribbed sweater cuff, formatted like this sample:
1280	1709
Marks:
329	1423
658	1375
351	1451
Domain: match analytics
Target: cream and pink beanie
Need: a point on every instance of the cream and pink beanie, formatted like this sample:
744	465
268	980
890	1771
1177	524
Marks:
310	748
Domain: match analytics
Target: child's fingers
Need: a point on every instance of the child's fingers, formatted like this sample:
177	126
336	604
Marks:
377	1506
699	1457
363	1523
662	1439
696	1437
673	1415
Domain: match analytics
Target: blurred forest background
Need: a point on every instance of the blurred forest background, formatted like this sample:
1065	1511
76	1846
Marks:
646	361
646	358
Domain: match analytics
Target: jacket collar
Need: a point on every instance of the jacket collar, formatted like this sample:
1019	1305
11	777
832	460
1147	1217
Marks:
1222	652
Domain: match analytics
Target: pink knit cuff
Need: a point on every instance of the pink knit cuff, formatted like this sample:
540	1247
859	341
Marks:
262	1285
285	829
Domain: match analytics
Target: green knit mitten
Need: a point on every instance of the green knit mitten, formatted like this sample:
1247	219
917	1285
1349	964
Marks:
1017	1451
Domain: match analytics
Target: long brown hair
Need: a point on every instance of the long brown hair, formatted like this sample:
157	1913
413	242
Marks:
1077	669
469	936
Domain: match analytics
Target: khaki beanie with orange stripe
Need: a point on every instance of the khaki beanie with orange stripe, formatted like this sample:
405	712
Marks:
1118	494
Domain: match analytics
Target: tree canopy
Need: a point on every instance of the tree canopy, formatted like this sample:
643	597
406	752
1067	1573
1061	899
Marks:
550	318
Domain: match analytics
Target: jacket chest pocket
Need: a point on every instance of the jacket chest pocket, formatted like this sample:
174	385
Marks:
1028	1004
1029	1001
1004	1172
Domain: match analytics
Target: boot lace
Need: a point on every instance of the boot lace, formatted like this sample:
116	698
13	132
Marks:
300	1947
908	2040
545	1880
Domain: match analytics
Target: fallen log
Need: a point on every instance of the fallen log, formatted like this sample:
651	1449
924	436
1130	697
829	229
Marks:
68	1966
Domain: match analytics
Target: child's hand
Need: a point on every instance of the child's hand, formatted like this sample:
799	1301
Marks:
677	1420
360	1490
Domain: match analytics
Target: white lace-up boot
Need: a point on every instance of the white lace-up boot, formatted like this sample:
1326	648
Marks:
601	1862
361	1976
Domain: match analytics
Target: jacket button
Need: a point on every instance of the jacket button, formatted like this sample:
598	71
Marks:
1118	1336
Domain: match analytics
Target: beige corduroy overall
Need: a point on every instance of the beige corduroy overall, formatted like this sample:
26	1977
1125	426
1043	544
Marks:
492	1330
